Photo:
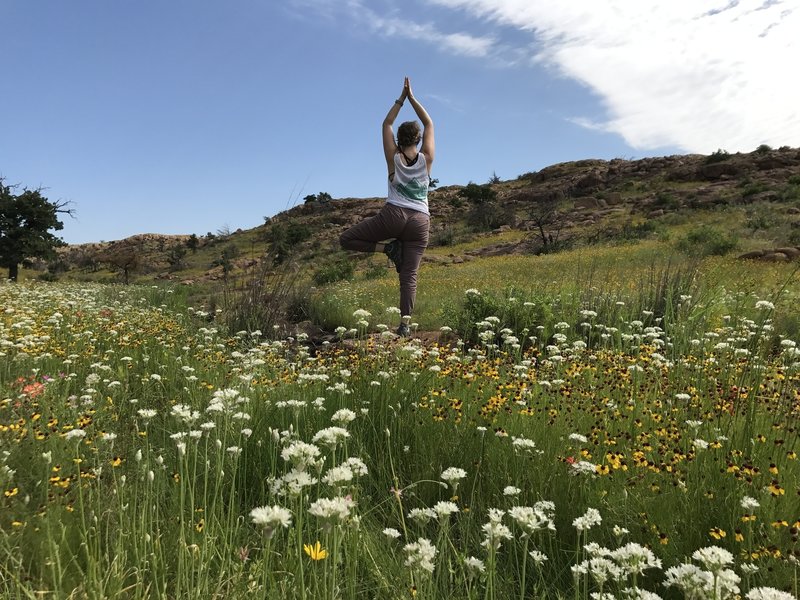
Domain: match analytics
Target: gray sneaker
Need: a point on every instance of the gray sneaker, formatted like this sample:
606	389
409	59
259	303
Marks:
403	330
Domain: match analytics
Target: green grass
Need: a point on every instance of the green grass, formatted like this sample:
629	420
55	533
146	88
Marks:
580	274
655	391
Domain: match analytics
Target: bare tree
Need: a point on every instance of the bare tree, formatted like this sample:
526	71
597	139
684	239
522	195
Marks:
545	217
123	256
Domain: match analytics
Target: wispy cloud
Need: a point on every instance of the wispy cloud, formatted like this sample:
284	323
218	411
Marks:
457	43
696	74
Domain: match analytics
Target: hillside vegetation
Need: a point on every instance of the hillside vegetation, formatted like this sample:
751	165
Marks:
599	400
675	209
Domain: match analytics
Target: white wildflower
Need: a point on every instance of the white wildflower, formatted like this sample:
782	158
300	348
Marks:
270	518
452	475
589	519
391	532
420	555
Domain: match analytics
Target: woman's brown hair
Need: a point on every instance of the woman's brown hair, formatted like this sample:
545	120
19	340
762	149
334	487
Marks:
408	134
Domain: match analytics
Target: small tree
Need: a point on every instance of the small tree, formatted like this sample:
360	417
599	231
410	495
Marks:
175	258
286	236
25	223
544	215
484	213
124	257
193	243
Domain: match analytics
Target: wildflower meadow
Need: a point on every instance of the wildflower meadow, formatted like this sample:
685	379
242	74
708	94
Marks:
531	448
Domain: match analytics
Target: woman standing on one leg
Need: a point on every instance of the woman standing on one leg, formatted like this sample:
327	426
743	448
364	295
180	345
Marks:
405	215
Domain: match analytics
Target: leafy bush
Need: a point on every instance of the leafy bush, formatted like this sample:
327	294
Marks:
375	270
484	214
337	270
707	240
228	253
791	192
455	202
753	188
513	311
444	236
718	156
761	217
666	200
285	236
763	149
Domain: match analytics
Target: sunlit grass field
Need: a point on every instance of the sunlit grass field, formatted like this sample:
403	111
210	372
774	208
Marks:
605	423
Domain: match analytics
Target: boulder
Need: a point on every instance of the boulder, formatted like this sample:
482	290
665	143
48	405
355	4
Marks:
773	161
587	202
591	181
755	254
775	257
721	170
789	251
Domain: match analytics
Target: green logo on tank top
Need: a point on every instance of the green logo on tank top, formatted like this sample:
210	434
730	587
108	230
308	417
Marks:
413	190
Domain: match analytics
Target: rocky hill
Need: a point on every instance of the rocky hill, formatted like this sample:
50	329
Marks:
584	201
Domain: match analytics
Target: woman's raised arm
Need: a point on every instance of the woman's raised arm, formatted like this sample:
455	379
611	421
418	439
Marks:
428	138
389	145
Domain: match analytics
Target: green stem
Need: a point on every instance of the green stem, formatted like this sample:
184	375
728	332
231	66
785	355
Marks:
524	566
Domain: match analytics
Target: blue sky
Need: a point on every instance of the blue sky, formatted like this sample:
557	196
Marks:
189	116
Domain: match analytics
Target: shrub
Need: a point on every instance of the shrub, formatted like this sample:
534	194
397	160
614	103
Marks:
444	236
707	240
753	188
267	301
513	311
228	253
484	214
791	192
718	156
336	270
375	270
285	236
763	149
455	202
633	232
666	200
761	217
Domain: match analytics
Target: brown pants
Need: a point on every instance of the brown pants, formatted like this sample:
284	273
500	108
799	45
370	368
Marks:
410	227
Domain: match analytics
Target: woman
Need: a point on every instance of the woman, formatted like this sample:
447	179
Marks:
405	215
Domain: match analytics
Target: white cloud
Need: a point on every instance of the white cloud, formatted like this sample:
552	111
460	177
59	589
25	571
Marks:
459	43
696	74
455	43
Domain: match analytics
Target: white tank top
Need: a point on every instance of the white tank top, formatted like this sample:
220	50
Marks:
409	186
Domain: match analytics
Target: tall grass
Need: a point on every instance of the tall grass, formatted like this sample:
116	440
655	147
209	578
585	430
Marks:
138	437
